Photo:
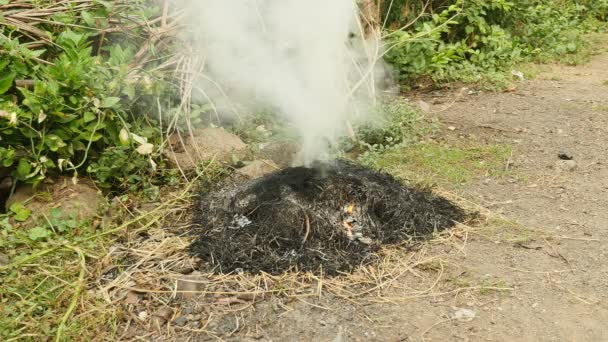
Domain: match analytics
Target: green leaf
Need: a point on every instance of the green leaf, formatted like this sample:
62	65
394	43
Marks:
6	82
21	212
39	233
4	63
23	169
109	102
88	117
88	18
54	142
56	214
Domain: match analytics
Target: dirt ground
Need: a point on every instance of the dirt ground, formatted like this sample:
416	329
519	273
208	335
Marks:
534	267
545	281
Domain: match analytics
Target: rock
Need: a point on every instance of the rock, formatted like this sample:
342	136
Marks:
463	315
81	200
567	165
520	75
180	321
165	313
4	260
283	153
424	106
258	168
142	316
452	128
204	144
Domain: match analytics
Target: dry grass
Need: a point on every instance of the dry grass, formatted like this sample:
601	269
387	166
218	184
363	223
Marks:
115	286
160	273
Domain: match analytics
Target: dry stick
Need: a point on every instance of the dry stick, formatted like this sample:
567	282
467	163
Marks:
559	254
307	228
103	34
433	326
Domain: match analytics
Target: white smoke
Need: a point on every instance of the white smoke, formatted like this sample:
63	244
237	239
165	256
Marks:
292	55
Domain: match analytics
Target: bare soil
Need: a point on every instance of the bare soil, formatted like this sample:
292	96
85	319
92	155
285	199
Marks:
547	281
533	268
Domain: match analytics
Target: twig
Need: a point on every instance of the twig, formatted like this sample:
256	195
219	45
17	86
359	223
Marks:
307	228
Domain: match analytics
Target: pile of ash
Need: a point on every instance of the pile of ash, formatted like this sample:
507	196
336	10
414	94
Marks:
330	218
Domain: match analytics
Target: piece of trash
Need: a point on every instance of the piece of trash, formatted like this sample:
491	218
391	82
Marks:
464	315
518	74
142	316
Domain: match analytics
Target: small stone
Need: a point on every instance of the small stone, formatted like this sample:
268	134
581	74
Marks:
424	106
258	169
464	315
187	310
4	260
567	165
164	313
452	128
142	316
181	321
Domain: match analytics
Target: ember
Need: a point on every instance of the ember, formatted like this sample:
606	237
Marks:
330	219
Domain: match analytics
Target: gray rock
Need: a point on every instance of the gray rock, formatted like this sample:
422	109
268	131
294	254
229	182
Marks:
258	168
180	321
188	151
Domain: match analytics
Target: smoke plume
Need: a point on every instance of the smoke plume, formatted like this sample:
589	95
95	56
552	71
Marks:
301	58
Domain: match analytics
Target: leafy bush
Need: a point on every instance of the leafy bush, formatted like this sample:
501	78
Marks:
66	105
469	40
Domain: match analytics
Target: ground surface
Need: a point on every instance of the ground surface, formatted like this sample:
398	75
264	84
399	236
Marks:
545	282
533	267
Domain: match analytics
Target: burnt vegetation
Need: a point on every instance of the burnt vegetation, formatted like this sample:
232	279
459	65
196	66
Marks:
328	219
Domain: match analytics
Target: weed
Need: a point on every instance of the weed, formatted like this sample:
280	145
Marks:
479	41
429	163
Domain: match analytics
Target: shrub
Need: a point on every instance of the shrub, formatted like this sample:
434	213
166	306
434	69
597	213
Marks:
67	103
468	40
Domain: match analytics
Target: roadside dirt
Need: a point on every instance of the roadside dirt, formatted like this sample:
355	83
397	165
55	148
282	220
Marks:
534	268
545	281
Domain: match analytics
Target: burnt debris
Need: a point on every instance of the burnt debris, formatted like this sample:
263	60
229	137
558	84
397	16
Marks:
327	219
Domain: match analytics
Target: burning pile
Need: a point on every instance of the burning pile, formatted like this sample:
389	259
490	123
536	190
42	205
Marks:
330	219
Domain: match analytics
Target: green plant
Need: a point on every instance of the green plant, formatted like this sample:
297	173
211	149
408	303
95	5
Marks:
68	104
398	125
479	40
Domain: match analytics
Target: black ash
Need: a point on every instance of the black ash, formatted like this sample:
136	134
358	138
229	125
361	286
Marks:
330	219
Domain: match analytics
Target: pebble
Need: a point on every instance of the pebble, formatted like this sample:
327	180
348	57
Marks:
464	315
180	321
567	165
142	316
165	312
